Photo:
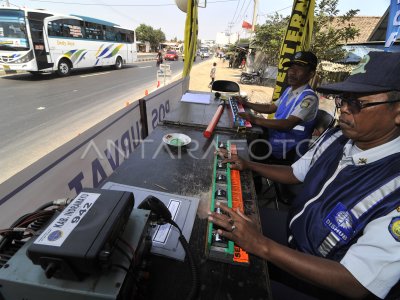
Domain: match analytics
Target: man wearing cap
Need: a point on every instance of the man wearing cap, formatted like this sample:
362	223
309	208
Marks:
343	233
295	110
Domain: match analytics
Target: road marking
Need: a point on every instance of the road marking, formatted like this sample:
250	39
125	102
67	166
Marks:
41	108
95	74
145	67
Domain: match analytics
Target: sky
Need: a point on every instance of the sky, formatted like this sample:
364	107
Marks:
217	16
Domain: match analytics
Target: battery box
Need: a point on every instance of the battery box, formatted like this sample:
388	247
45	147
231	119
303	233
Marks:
80	240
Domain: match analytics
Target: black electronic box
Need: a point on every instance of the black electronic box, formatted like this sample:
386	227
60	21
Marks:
80	240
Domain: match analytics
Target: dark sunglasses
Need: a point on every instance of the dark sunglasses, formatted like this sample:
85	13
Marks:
357	105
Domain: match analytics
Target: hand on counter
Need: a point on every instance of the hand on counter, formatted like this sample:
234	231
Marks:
236	162
247	116
239	228
241	100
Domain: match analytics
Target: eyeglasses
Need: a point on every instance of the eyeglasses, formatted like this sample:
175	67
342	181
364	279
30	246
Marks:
356	105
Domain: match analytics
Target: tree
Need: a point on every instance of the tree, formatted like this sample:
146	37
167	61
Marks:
146	33
159	37
244	41
143	33
329	33
269	37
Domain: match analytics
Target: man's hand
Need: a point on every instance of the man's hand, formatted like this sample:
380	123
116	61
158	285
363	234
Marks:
241	100
239	228
247	116
236	162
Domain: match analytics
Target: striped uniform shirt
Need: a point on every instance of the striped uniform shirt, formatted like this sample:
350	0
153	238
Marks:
349	211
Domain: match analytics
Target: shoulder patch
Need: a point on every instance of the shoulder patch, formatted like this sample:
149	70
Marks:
305	103
394	228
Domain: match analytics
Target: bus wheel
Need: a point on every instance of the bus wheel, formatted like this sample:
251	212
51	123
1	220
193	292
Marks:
118	63
63	68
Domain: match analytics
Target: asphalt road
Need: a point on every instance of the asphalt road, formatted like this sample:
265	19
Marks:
38	114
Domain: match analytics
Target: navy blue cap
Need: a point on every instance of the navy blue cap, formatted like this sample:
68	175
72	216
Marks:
377	72
303	58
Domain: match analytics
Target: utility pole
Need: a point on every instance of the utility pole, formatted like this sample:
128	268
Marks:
249	62
230	25
254	15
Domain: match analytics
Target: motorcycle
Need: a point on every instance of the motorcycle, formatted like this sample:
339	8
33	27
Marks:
251	78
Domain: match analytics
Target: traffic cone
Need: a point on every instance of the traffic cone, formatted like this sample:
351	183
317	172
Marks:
158	83
146	92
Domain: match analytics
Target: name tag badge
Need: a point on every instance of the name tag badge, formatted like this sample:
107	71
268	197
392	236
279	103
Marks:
340	222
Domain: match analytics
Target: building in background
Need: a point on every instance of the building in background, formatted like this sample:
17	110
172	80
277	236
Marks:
143	46
208	43
225	38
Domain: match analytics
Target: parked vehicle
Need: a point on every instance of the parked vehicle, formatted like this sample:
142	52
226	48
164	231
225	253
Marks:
171	55
251	78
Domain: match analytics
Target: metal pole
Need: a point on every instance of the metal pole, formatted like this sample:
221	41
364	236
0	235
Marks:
254	15
7	3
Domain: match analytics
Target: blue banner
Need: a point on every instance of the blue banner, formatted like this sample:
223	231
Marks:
393	23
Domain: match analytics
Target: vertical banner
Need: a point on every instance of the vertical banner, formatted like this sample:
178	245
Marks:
297	37
393	26
191	31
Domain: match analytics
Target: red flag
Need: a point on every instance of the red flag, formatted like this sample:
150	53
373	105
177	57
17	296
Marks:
246	25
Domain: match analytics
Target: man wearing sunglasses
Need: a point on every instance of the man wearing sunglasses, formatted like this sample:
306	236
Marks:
343	237
295	111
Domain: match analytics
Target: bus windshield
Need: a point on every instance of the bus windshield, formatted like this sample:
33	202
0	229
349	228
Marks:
13	30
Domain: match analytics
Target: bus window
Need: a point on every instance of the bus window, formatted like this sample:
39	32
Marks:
94	31
131	37
65	31
110	34
75	28
13	30
66	28
118	36
54	28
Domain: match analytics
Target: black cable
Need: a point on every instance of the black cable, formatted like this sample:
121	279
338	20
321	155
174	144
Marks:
131	249
192	263
121	267
22	221
128	245
44	206
122	251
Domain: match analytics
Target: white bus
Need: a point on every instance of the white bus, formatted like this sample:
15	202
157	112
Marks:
39	41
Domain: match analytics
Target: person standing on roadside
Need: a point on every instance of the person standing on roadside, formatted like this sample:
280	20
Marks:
212	74
243	63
